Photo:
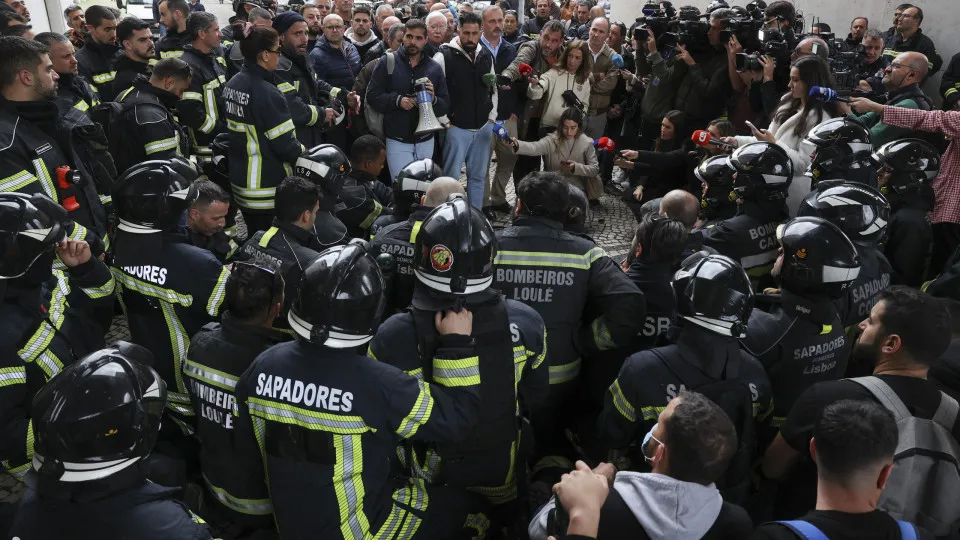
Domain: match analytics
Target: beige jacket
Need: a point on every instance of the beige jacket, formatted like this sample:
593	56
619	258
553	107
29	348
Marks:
601	90
579	150
551	88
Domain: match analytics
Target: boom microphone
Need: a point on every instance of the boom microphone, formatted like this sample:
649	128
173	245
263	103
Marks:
701	137
827	95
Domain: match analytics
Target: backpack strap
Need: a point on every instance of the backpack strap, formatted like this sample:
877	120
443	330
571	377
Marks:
907	530
391	62
804	529
885	395
946	414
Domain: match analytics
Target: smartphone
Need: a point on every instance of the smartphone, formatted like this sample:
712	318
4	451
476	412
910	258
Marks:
751	126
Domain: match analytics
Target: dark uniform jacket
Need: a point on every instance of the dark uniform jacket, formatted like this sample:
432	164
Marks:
75	91
384	93
172	44
123	506
127	71
146	128
37	140
362	200
650	379
293	249
218	355
263	143
950	83
299	84
222	245
511	346
398	240
563	277
167	299
201	107
321	425
909	239
46	326
800	341
863	293
750	237
920	43
96	65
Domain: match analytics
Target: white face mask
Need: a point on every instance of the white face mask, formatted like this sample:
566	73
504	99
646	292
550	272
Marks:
646	439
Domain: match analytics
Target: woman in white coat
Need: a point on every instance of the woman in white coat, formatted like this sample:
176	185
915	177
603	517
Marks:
795	117
572	72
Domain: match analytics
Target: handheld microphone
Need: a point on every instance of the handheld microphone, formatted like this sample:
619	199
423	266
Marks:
500	131
525	69
617	60
827	95
604	144
701	137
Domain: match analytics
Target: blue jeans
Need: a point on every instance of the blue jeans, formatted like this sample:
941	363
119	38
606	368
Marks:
472	146
399	154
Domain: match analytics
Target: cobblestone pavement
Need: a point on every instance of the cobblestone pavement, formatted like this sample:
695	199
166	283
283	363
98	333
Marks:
611	226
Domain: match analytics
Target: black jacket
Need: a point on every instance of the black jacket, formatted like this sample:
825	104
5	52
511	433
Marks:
398	240
263	142
127	71
507	102
920	43
374	52
125	505
219	354
96	65
800	341
909	239
74	91
363	199
43	139
146	128
475	101
703	88
750	237
293	249
47	324
531	27
950	83
306	97
384	93
171	45
564	277
201	107
874	278
350	411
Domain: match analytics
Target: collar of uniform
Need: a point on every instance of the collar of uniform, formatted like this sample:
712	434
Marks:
248	335
167	99
641	271
535	220
419	213
33	111
124	63
258	71
106	51
362	177
189	49
817	308
765	210
300	235
699	347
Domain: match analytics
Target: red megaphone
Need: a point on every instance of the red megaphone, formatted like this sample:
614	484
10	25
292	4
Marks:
525	70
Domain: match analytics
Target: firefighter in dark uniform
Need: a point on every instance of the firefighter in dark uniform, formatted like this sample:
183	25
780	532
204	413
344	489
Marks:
300	231
96	425
364	196
45	151
862	213
843	151
307	96
218	355
408	188
146	128
453	264
398	239
72	89
714	300
168	288
263	142
201	107
320	421
45	312
763	174
905	169
718	201
798	334
96	58
564	277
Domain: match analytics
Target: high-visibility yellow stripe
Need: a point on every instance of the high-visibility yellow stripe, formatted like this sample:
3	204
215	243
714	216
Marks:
415	231
565	372
149	289
160	146
285	127
219	293
210	376
102	78
267	236
13	375
419	413
548	259
16	181
288	414
453	373
621	402
44	176
372	216
601	334
253	507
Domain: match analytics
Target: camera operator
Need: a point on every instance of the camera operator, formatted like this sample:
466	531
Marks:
901	79
781	15
872	60
858	30
910	38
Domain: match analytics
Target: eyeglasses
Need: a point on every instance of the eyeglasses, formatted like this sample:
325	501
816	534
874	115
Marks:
905	16
438	28
897	65
276	52
334	28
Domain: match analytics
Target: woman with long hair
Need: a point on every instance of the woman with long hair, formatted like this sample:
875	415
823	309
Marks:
567	151
572	73
263	142
796	115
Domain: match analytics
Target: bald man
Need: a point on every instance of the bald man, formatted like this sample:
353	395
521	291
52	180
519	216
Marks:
398	240
811	46
902	80
683	205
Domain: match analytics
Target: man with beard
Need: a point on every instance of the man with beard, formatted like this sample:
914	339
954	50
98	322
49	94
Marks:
906	333
312	16
97	56
531	27
173	15
44	140
73	90
207	218
199	110
360	33
77	33
298	82
138	51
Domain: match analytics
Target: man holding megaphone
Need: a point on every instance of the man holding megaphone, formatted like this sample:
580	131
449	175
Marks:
410	99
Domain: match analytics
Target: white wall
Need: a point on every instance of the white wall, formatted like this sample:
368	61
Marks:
39	16
941	19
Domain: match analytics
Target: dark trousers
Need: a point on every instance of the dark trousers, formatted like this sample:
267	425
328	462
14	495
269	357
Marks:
946	238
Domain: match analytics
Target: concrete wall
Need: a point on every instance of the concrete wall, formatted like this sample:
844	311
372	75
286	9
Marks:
941	19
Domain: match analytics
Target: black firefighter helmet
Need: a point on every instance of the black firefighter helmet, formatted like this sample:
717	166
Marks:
905	166
714	292
764	171
840	146
326	166
860	211
717	173
817	257
30	226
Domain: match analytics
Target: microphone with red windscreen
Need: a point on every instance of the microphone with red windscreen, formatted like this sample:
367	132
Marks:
701	137
604	144
525	69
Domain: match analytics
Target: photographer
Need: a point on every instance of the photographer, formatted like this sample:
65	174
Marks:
872	60
901	79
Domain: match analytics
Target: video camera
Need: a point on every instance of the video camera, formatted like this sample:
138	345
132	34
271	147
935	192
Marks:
770	43
658	20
